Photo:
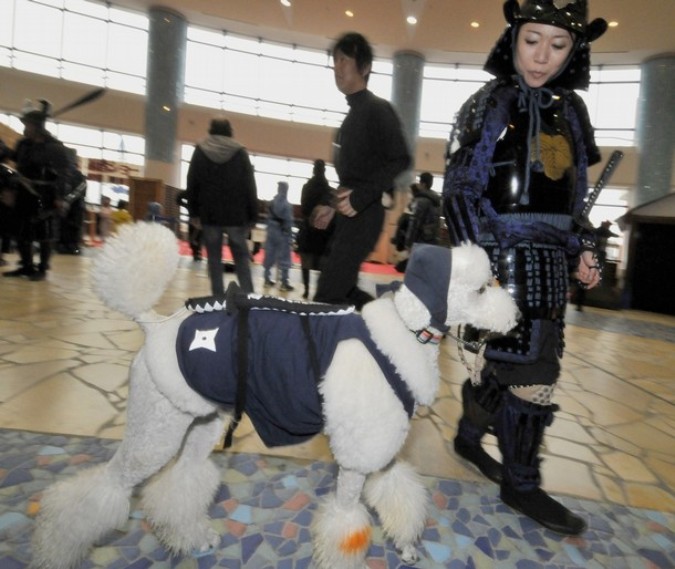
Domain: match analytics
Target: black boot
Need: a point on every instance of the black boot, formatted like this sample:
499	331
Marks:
480	404
520	430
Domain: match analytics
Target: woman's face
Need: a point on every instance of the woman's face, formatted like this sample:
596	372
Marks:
541	51
348	78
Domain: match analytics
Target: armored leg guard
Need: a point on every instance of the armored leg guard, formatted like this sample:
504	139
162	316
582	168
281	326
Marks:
480	405
520	430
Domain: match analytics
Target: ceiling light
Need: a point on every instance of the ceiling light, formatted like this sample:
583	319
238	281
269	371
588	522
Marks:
411	20
613	24
475	25
349	13
286	3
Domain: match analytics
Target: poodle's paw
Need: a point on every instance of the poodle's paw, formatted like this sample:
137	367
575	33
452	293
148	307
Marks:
409	555
209	545
212	540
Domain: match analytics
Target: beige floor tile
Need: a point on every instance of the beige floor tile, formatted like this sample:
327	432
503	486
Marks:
611	490
58	405
19	378
570	477
629	468
650	497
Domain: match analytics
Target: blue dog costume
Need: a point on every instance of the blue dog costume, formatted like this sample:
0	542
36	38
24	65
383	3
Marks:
262	334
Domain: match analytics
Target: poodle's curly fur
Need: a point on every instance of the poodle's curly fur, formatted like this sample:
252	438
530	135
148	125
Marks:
171	430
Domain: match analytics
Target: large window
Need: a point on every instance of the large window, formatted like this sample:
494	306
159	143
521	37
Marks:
94	42
281	81
88	42
611	100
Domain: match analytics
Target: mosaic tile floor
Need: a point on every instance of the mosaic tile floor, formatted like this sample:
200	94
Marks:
610	453
265	504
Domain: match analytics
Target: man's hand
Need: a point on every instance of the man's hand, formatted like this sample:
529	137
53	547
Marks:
321	216
343	205
196	222
588	271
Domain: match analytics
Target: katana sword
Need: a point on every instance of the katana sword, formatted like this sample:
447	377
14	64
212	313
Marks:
83	100
606	174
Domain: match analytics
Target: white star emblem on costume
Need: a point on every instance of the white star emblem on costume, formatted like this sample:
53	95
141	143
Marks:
204	339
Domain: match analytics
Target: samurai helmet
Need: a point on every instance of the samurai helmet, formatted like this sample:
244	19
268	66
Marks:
36	112
571	15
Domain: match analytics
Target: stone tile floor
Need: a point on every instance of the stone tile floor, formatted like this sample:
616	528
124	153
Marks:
610	454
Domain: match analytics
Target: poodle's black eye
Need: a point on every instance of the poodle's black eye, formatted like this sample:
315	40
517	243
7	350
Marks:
482	289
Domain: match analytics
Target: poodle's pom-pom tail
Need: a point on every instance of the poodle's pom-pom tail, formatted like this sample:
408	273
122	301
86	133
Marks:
135	266
341	535
74	514
401	500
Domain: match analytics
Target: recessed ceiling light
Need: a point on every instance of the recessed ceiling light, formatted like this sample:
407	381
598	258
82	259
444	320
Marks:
349	13
286	3
411	20
475	25
613	24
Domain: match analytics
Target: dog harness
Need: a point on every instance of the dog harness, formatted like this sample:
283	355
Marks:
266	356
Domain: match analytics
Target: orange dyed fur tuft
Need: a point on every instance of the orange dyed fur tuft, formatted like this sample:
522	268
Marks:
356	541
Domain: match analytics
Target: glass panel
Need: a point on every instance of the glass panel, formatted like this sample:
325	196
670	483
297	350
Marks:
203	67
95	9
273	110
202	98
277	80
38	29
5	56
241	43
380	85
316	57
80	135
133	19
434	130
124	142
36	64
315	87
53	3
84	151
124	46
615	137
84	39
83	74
441	100
126	83
619	105
447	72
242	74
615	73
208	37
7	25
383	67
239	105
277	50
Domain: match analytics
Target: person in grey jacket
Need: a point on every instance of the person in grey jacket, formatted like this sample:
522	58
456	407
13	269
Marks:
222	197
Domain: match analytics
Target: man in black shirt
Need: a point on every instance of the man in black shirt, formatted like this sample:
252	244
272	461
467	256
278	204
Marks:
370	151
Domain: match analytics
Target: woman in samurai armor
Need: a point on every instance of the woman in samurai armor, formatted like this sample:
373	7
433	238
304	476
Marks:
516	179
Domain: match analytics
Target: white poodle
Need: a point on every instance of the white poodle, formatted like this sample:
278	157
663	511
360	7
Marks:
295	369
